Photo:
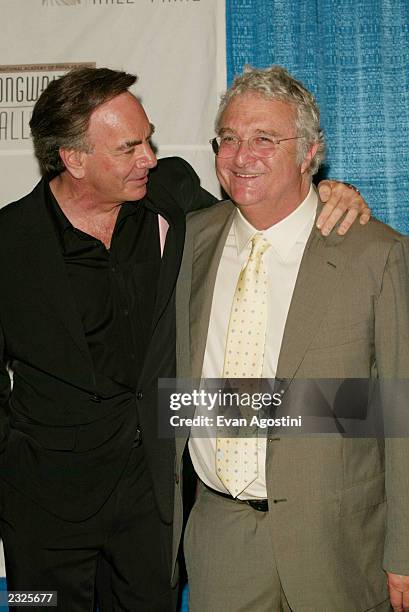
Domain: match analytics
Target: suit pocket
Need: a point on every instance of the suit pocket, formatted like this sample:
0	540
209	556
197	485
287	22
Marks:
363	495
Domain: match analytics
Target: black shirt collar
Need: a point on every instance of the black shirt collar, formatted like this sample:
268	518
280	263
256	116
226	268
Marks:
66	231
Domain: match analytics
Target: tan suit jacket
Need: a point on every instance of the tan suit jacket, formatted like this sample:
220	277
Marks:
339	507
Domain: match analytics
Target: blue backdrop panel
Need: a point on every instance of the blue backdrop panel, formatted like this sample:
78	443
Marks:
354	55
3	587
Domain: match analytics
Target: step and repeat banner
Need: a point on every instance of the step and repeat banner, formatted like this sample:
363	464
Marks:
176	47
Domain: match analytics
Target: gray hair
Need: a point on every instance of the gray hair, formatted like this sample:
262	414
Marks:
275	83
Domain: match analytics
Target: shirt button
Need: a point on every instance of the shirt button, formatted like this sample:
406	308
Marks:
138	438
126	312
95	398
139	395
113	269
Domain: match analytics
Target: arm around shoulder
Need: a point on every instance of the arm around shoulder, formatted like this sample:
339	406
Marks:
178	178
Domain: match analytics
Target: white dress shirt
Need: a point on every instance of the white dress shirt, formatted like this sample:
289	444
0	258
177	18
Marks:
282	261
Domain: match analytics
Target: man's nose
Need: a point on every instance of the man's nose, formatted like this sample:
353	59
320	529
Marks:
148	158
243	153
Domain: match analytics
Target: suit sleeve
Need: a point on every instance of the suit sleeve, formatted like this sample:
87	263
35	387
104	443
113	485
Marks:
175	176
392	351
194	196
5	388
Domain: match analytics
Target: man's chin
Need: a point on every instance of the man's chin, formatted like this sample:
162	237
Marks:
243	199
136	192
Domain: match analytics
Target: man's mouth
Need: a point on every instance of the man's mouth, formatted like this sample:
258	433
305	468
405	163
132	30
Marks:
140	179
247	175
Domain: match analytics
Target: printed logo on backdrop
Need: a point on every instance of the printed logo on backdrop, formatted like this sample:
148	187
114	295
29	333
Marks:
20	87
109	2
60	2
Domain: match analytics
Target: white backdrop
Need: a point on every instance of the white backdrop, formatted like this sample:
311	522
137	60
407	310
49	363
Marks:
176	47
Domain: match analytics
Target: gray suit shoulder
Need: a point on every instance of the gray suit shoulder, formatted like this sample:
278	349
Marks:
375	230
379	231
374	238
218	212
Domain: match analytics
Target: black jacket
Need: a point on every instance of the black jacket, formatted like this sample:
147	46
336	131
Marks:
68	452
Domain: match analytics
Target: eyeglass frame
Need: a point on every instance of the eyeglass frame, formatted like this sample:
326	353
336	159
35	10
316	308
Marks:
213	142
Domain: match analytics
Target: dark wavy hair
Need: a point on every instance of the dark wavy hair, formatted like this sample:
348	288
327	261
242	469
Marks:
61	114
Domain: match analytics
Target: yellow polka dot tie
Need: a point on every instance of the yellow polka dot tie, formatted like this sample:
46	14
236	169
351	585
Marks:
236	458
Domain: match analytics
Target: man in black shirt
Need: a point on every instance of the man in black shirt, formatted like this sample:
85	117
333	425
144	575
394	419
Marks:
113	288
87	327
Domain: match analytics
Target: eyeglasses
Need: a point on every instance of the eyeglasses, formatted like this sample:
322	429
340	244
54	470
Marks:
260	145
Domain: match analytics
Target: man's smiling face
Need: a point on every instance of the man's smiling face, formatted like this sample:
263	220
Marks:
265	188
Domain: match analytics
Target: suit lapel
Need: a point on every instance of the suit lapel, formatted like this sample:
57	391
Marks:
320	271
172	250
321	268
47	265
208	243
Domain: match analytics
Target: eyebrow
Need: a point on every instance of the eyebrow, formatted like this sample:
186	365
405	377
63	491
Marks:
270	132
128	144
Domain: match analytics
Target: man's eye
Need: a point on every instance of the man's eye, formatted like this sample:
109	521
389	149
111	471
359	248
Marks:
129	151
228	140
264	140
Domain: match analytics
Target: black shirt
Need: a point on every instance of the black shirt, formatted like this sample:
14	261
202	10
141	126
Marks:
114	290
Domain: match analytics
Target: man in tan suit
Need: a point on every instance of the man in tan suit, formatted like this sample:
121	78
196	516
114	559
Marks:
322	524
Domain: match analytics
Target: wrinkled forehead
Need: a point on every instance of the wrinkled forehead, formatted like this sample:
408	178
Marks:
253	110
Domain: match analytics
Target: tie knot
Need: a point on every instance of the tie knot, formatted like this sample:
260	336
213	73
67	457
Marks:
259	246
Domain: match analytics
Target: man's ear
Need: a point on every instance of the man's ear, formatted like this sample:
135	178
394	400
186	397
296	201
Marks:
73	160
309	157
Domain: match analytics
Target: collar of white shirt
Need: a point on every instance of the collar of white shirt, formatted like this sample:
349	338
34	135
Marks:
283	235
